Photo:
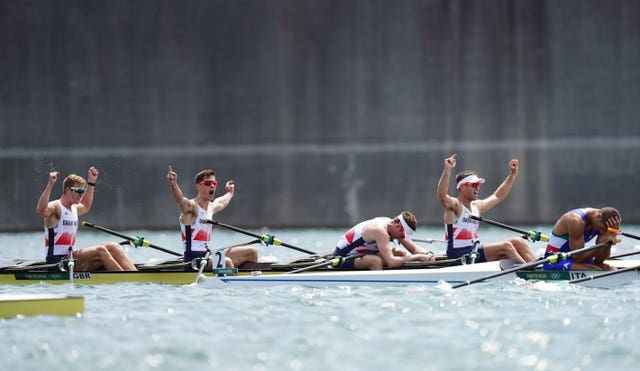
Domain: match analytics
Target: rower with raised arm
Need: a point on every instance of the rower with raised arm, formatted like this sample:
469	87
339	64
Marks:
195	214
577	227
461	231
371	239
61	225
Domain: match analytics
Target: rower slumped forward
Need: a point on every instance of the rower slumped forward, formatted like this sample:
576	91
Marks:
371	238
61	225
577	227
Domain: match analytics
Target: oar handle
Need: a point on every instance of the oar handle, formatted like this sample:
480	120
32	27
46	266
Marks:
267	239
532	235
137	241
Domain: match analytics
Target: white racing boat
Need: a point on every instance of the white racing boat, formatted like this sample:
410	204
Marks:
453	275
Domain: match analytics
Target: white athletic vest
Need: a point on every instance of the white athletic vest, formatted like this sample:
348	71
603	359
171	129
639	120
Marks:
352	242
196	237
59	238
464	231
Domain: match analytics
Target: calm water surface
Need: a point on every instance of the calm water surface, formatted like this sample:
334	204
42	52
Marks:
510	325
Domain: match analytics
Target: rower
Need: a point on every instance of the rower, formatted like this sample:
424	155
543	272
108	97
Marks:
61	225
461	228
371	238
194	216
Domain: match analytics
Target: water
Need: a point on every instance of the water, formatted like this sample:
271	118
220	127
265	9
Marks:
161	327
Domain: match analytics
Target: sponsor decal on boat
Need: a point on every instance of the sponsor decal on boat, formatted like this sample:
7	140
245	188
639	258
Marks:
225	271
53	276
545	275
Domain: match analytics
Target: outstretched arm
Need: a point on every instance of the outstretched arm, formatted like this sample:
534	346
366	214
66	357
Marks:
185	206
43	208
87	198
419	254
502	191
223	201
449	204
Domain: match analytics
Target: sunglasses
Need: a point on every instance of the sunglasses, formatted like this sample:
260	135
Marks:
209	183
474	185
78	190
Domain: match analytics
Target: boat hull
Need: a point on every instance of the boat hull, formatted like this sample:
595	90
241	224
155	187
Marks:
447	275
452	275
40	304
99	278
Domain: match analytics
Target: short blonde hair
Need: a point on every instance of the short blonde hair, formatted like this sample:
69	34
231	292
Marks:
71	180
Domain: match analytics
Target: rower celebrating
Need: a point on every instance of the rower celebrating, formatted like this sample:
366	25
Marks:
61	225
194	213
461	232
371	238
577	227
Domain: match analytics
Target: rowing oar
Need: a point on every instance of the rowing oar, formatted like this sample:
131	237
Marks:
331	262
549	259
623	255
427	240
609	273
267	239
137	241
532	235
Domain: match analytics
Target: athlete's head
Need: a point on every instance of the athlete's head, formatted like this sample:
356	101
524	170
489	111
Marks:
73	180
468	177
407	225
204	174
610	218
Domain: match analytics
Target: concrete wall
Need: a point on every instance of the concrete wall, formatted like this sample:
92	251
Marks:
323	112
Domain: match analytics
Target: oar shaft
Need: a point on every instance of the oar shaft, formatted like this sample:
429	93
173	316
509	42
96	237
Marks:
128	238
264	238
501	273
498	224
428	240
623	255
530	234
630	235
333	261
551	258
